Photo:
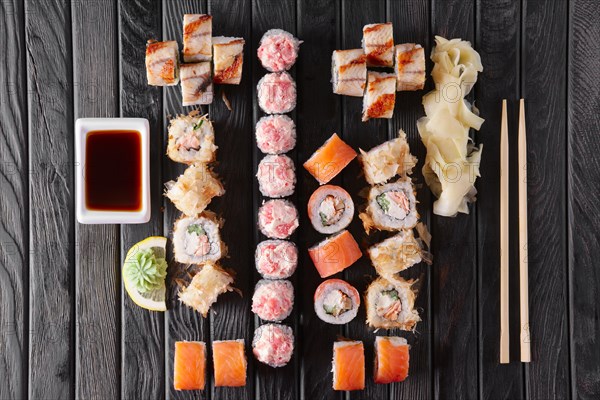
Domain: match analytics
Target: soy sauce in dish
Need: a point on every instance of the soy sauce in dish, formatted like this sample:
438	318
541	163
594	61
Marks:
113	170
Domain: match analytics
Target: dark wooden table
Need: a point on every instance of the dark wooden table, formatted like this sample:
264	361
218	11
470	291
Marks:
68	330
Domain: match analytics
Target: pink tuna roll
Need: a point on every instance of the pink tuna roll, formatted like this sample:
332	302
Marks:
273	344
277	219
277	93
278	50
275	134
276	176
273	300
276	259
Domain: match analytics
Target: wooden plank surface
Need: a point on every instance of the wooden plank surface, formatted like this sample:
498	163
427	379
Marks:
583	189
498	42
318	116
51	229
96	91
455	353
142	331
544	89
14	215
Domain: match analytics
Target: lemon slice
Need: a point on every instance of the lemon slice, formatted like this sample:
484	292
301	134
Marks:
153	300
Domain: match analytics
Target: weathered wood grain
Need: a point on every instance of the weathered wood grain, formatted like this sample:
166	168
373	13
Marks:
142	331
182	322
232	318
583	197
544	89
498	42
365	135
96	91
14	216
279	383
319	114
51	229
455	264
412	25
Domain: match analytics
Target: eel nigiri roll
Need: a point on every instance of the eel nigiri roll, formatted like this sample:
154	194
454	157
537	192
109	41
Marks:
378	43
387	160
390	304
189	366
278	50
391	207
391	359
410	67
335	254
228	59
336	301
275	134
197	240
197	32
162	63
276	259
349	72
191	139
196	84
276	176
273	344
380	97
205	287
330	159
277	219
193	191
330	209
273	300
277	93
229	363
396	253
348	365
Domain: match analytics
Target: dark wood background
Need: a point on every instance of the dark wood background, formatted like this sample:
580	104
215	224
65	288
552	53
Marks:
67	329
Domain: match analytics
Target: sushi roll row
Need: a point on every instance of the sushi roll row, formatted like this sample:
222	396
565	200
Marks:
350	75
276	258
390	365
207	60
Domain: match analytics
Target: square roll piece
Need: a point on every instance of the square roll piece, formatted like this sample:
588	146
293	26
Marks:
349	72
196	84
229	58
348	365
162	63
197	33
189	366
410	67
229	363
380	97
378	43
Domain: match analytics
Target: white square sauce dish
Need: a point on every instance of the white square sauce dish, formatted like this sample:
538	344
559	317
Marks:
112	170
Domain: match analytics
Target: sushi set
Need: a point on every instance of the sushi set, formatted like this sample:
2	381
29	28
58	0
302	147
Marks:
389	206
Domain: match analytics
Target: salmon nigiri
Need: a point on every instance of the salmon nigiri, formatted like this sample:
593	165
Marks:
229	362
348	365
329	159
335	254
391	359
189	365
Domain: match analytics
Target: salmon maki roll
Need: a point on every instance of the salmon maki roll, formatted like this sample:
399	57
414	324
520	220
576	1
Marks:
348	365
196	84
330	159
197	33
229	362
330	209
189	366
391	359
229	59
349	72
380	98
335	254
162	63
378	43
336	301
409	67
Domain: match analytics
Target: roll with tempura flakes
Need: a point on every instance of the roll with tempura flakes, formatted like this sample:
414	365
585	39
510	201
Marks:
391	304
193	191
205	287
191	139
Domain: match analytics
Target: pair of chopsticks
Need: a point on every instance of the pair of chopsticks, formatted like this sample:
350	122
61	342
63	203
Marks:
504	242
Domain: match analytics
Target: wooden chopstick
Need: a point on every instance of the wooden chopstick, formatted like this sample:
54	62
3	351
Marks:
504	320
523	258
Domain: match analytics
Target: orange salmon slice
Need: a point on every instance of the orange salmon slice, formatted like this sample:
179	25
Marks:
391	359
348	365
229	363
335	254
189	366
330	159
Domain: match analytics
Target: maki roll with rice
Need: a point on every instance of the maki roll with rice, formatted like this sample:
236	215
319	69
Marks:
330	209
336	301
391	207
390	304
276	176
193	191
273	300
191	139
273	344
276	259
277	93
277	219
278	50
197	240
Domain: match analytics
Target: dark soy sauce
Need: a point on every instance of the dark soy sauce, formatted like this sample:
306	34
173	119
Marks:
113	170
